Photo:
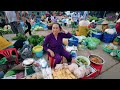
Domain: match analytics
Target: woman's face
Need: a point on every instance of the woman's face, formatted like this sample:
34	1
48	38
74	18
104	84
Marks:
55	29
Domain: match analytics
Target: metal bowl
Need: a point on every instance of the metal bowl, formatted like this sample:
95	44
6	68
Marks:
100	58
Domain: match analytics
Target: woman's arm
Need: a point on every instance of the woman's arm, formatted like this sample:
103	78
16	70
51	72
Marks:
66	34
46	42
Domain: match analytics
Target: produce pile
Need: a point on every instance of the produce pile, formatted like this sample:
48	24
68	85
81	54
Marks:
93	18
73	71
6	30
36	39
38	28
112	50
37	75
63	74
20	37
109	47
81	60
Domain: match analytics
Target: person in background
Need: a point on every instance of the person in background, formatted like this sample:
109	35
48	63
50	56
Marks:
38	17
118	27
69	22
11	18
49	22
85	15
105	25
33	16
20	25
75	18
65	21
54	18
26	20
54	46
47	14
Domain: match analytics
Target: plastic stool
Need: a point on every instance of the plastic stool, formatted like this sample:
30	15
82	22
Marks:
52	60
8	53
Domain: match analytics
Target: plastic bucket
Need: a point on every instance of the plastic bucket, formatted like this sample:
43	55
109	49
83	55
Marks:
38	50
39	54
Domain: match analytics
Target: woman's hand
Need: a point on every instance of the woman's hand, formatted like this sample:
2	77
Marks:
51	52
65	31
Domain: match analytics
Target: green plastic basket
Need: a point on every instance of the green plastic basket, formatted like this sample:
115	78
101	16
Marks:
107	50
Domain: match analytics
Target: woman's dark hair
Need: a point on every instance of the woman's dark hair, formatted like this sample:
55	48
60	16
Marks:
58	25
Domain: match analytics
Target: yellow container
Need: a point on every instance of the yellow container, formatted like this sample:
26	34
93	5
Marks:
4	43
37	49
83	30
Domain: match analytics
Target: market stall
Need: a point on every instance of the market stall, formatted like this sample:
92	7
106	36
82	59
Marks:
34	65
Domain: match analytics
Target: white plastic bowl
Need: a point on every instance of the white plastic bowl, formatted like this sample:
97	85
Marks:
28	61
85	58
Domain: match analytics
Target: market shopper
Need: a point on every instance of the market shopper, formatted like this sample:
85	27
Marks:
38	17
75	18
11	18
53	44
105	25
26	20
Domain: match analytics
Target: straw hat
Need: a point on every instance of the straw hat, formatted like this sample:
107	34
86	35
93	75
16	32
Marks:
105	22
118	20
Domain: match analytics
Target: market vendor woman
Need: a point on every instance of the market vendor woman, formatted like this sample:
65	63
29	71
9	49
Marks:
54	46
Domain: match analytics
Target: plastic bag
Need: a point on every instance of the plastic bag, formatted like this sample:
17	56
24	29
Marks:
92	45
26	51
92	42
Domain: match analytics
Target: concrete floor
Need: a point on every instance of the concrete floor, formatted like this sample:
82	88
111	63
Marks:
111	67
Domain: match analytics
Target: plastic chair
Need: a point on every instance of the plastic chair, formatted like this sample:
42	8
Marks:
52	60
9	52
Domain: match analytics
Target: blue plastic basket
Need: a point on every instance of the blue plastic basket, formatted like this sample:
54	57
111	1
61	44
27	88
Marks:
99	35
73	42
107	38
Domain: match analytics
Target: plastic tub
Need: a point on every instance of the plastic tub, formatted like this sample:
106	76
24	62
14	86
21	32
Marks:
38	50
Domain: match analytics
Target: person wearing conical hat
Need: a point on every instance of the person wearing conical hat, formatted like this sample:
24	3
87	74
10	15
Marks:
118	26
105	25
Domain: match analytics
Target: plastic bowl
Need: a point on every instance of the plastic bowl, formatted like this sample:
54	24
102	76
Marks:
37	49
28	61
97	57
85	58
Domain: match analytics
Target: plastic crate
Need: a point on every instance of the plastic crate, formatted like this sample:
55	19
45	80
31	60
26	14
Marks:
97	68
